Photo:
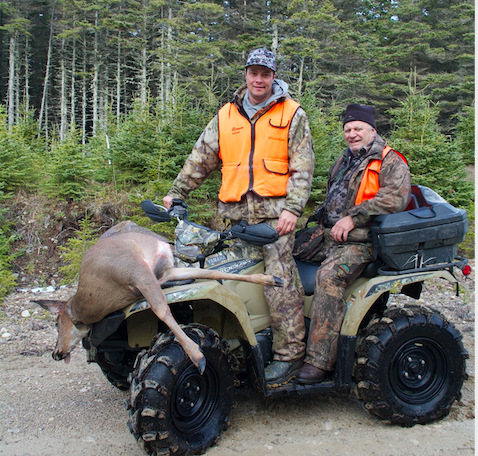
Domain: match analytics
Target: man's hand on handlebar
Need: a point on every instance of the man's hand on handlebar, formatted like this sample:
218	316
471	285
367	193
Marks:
168	202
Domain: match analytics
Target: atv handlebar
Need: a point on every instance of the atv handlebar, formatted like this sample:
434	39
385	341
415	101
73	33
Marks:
259	234
158	213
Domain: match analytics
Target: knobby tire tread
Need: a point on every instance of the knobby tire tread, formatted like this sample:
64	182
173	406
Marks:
155	382
376	384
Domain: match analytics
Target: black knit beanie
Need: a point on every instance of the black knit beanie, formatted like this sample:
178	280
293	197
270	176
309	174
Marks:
364	113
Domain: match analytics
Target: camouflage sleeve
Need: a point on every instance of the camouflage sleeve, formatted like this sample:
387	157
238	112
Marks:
202	161
393	195
301	163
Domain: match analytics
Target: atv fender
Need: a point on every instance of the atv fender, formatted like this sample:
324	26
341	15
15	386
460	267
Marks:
200	296
362	294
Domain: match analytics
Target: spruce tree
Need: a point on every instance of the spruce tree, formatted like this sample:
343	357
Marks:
432	157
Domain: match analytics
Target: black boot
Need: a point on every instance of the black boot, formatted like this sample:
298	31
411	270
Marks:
282	371
308	374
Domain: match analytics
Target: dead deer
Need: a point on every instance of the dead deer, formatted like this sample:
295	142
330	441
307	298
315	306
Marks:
129	262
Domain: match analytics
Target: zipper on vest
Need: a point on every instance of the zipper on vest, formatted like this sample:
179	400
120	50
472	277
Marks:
251	157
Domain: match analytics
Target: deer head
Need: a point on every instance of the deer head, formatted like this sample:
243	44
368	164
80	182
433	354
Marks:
70	333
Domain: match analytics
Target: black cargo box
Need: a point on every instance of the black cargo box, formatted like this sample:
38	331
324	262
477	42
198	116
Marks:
420	237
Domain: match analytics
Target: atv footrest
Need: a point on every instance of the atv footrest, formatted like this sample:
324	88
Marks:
296	388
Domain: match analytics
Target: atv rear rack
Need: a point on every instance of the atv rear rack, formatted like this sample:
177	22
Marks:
459	263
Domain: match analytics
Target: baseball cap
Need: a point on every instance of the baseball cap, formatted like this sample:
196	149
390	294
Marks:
262	57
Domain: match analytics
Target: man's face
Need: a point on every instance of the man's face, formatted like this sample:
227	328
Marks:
259	81
358	134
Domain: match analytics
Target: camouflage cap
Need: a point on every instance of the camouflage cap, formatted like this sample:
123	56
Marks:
262	57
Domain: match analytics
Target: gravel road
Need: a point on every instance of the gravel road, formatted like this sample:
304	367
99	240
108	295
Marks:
50	408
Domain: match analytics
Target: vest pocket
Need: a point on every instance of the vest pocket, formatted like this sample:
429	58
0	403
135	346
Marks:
274	181
235	182
275	166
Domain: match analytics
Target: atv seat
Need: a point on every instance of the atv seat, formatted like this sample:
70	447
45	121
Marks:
307	273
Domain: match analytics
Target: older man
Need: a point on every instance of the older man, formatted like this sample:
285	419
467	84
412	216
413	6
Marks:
368	179
263	142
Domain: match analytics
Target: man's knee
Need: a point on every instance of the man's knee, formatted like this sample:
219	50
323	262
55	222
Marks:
334	273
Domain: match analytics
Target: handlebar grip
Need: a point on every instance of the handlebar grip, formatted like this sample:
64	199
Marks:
153	212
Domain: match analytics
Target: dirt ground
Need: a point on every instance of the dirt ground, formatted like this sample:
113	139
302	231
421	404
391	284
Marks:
50	408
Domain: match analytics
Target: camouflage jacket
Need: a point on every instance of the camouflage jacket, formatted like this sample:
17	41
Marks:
204	159
393	195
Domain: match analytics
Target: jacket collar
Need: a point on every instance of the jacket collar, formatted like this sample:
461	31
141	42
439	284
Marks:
240	93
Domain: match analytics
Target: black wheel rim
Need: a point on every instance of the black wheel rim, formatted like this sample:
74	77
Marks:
418	371
195	399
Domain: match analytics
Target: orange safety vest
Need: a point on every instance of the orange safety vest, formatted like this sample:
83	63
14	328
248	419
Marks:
369	184
255	157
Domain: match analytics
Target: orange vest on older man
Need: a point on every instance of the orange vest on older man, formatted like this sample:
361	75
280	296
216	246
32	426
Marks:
369	185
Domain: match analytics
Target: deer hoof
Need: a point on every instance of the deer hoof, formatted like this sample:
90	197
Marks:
202	365
278	282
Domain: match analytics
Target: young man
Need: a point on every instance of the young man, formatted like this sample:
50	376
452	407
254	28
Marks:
262	141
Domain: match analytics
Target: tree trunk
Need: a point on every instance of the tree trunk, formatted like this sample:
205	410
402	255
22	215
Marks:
144	58
63	106
11	80
95	77
17	90
169	40
73	85
275	38
301	75
118	81
144	75
83	96
46	79
26	97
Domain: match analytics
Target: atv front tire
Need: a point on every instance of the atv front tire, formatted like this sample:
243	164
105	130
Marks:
410	366
116	374
173	409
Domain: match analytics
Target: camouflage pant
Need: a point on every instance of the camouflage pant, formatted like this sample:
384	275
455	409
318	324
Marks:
341	265
286	304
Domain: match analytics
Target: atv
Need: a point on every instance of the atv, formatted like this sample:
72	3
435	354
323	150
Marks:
406	365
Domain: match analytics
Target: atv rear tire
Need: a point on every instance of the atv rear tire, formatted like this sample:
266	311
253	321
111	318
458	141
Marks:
410	366
172	408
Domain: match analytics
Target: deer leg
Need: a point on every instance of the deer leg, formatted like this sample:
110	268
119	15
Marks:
152	292
196	273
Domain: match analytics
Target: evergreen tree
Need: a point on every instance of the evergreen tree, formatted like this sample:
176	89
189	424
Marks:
150	146
328	143
465	136
7	279
72	252
311	42
432	158
69	171
20	152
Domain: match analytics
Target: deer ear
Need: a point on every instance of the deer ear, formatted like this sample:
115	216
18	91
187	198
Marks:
52	306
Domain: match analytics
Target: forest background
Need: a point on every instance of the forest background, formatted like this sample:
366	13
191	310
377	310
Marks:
103	100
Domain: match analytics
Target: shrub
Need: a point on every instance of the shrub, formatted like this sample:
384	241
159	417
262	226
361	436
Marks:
72	252
69	170
7	279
